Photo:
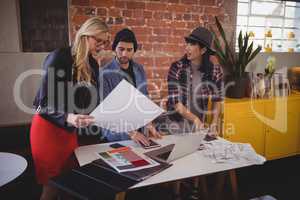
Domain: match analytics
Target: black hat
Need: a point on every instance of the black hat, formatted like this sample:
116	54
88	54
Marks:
125	35
203	36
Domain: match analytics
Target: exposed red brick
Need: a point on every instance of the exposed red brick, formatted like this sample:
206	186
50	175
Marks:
76	10
162	60
175	40
156	6
142	30
190	1
178	16
196	9
180	32
168	16
158	15
114	12
80	2
102	3
135	5
195	17
162	31
207	2
187	17
148	71
177	8
135	22
138	13
155	23
127	13
145	60
120	4
172	48
178	24
212	10
115	28
160	39
157	47
148	14
102	11
79	19
147	46
173	1
192	25
141	38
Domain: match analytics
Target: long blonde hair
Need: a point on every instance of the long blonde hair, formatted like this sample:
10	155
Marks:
80	49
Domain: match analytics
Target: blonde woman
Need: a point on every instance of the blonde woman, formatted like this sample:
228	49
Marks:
69	91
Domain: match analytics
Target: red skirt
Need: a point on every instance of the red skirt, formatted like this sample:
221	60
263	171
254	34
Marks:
51	148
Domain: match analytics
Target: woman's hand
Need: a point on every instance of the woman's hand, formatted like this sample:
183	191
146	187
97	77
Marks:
214	60
198	124
139	138
213	130
79	121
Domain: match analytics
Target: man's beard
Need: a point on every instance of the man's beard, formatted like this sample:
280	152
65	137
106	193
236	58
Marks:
123	60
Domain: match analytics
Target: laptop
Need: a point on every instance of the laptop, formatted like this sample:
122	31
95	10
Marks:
184	145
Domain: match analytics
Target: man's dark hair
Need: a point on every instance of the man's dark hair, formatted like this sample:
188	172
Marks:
125	35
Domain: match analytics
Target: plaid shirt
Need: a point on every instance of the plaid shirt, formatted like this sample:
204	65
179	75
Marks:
180	86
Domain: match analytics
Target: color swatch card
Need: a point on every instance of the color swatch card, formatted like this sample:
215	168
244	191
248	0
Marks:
124	159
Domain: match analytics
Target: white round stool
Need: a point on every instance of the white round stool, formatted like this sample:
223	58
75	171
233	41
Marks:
11	166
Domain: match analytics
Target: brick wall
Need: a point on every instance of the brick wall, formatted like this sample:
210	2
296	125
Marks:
160	27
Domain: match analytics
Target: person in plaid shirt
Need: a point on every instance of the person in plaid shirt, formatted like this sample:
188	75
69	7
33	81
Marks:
192	80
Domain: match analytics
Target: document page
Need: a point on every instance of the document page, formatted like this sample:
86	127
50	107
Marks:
125	109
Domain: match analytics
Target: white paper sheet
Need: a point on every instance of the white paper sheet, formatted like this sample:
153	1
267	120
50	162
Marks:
125	109
222	151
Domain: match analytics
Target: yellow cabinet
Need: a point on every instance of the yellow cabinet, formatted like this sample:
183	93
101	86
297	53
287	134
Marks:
271	126
283	140
241	125
281	144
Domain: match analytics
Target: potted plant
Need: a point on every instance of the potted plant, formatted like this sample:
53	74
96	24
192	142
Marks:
235	63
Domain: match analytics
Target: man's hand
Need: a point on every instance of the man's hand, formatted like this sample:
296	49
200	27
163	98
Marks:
153	132
139	138
80	120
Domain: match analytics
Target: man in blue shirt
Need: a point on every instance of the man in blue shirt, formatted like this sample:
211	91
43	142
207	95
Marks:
123	67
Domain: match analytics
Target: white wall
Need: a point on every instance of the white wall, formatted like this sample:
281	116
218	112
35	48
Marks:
13	63
9	31
11	67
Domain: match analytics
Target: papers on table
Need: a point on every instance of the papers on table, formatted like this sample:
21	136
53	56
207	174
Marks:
125	109
124	159
222	151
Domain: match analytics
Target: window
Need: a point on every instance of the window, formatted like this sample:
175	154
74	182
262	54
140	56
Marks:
281	18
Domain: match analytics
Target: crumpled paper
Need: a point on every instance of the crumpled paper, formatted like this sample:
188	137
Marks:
223	151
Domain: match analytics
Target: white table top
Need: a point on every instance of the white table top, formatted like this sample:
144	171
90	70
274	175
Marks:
195	164
11	166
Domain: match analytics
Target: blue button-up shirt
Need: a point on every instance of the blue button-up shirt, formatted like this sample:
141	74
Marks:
110	76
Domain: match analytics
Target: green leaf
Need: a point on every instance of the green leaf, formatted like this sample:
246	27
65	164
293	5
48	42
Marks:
228	50
240	40
255	52
248	53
